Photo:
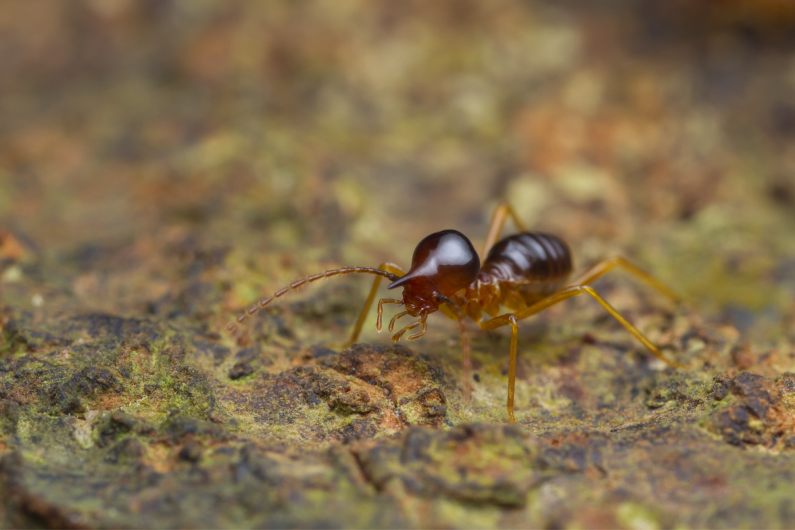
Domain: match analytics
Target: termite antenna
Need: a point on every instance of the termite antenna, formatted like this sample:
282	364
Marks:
232	326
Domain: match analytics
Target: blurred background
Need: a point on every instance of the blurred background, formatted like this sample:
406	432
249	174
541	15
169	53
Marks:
293	135
165	163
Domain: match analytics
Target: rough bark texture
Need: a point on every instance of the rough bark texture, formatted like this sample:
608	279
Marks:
164	164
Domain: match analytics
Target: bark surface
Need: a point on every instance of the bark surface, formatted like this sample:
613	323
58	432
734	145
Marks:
163	165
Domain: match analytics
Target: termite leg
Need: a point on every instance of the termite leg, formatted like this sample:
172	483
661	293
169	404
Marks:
357	328
564	294
498	218
466	358
508	319
603	267
466	354
512	367
466	349
575	290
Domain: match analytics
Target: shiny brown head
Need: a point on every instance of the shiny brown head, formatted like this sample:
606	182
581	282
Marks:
443	263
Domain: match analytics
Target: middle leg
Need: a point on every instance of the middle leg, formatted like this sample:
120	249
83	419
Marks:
454	312
508	319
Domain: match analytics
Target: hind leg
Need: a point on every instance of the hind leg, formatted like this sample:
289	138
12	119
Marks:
618	262
498	218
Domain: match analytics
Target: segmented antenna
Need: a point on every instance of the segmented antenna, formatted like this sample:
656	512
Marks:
232	326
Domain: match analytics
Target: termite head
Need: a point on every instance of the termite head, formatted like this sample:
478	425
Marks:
443	263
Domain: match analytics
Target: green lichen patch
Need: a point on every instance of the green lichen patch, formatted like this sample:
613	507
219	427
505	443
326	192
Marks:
473	464
165	165
360	393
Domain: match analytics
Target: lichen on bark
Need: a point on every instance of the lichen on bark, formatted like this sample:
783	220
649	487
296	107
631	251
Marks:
163	165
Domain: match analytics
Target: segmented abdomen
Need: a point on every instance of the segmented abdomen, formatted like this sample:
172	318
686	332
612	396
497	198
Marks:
527	257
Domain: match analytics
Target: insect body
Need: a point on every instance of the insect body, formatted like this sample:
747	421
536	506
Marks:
522	275
519	270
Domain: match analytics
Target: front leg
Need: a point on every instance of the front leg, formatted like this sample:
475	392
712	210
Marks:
357	328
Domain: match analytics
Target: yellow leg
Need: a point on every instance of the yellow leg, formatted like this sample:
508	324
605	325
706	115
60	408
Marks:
466	358
512	367
564	294
603	267
508	319
466	349
498	218
357	328
380	312
570	292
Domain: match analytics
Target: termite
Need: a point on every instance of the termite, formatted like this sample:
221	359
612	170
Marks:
522	275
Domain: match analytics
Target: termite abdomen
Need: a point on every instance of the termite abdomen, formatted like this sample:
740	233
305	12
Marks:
527	257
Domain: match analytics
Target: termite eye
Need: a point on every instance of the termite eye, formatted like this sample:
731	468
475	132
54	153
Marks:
445	260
